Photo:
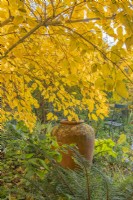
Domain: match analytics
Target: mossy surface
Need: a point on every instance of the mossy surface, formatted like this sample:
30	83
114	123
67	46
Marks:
74	130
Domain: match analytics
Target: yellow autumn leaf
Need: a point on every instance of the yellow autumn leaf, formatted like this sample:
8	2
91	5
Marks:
129	42
18	20
121	139
101	117
31	21
49	116
99	83
3	14
125	149
18	53
120	31
34	86
121	89
91	105
109	84
65	112
69	118
68	52
94	117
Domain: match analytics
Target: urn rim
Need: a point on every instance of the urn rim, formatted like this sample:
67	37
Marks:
66	122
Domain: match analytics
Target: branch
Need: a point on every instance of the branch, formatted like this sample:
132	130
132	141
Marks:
72	11
8	33
42	23
52	3
104	55
56	23
123	60
6	21
45	10
48	23
90	19
22	39
32	11
67	22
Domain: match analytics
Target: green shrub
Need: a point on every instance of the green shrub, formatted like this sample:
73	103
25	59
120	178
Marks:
30	168
25	157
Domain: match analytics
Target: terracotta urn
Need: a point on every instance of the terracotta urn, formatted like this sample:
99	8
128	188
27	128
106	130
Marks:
79	133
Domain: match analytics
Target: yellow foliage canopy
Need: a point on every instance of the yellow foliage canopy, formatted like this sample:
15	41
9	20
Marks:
55	46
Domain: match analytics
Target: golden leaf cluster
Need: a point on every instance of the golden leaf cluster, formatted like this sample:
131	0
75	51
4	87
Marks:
56	46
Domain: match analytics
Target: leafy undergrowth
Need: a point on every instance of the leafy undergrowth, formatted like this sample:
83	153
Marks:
30	169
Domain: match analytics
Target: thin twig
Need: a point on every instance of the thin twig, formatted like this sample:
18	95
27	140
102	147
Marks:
104	55
7	21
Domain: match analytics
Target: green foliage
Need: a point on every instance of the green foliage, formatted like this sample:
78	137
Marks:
123	190
25	157
86	183
118	152
124	148
104	147
30	167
